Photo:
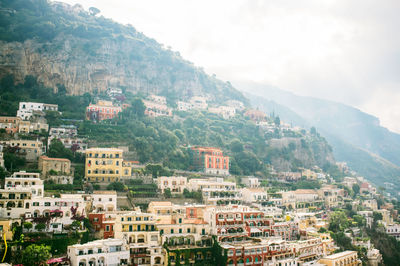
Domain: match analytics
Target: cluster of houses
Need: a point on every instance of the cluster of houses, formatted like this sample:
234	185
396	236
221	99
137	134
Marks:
235	223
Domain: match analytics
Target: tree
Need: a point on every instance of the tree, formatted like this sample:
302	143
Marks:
338	221
75	225
36	255
118	186
28	226
277	121
40	226
356	189
138	107
167	193
313	131
236	146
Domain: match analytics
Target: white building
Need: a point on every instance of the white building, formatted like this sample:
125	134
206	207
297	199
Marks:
226	112
176	184
254	195
236	104
61	179
184	106
104	200
1	157
105	252
198	184
393	230
26	109
199	102
251	182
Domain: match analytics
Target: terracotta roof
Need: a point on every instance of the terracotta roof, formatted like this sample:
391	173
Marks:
43	157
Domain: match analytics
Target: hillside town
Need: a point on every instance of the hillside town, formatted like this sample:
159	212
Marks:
125	215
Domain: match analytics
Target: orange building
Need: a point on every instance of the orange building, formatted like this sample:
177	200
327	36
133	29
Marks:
102	110
255	115
10	123
210	160
102	225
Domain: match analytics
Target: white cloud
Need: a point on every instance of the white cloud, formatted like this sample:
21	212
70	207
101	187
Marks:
339	50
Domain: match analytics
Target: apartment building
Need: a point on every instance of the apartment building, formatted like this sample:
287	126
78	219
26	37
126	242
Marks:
30	149
103	110
140	231
198	184
156	109
27	109
199	102
301	198
10	123
176	184
100	252
104	200
59	165
345	258
226	112
255	195
105	165
210	160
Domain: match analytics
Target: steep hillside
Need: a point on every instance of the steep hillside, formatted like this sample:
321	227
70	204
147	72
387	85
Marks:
356	137
64	45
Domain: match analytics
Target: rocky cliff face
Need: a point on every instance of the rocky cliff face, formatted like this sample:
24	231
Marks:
90	54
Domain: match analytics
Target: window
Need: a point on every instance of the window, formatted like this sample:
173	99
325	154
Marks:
172	231
188	230
99	250
180	230
47	204
107	228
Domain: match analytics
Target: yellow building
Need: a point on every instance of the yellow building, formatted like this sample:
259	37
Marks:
6	228
60	165
31	149
105	165
345	258
140	232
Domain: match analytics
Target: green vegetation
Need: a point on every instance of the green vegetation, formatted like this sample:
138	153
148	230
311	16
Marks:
35	255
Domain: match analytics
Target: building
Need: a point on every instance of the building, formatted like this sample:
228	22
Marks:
250	181
199	102
1	157
255	195
255	115
48	165
100	252
226	112
140	231
38	124
30	149
210	160
10	123
102	110
198	184
176	184
61	179
105	165
68	135
184	106
156	109
157	99
103	223
27	109
301	198
104	200
236	104
393	230
345	258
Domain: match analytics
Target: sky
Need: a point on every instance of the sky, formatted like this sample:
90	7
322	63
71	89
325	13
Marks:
344	51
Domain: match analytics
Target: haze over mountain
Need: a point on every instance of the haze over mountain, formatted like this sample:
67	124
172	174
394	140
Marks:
356	137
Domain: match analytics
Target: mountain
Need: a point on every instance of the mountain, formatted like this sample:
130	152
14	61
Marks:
66	46
356	137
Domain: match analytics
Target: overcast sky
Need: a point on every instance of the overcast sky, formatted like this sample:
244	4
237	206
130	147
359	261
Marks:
345	51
